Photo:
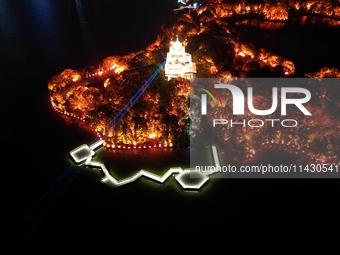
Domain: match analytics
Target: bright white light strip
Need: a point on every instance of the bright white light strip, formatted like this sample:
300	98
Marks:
97	144
216	160
215	155
112	182
203	179
81	153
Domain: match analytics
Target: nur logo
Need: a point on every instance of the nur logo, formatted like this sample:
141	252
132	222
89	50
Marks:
239	99
242	96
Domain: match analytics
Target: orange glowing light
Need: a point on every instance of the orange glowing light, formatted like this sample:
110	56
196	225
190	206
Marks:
153	136
75	77
106	82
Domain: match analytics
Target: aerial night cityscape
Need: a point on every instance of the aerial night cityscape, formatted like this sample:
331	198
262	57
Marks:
253	84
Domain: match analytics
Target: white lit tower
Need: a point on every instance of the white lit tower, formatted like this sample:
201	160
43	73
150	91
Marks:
178	62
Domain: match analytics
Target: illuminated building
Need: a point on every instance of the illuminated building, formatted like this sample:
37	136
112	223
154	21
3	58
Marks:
178	62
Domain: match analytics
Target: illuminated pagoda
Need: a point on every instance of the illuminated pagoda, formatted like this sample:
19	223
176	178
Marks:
178	62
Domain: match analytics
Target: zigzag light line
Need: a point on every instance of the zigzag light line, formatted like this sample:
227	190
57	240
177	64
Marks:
109	180
86	153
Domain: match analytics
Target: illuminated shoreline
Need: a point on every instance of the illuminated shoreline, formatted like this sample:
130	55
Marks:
91	95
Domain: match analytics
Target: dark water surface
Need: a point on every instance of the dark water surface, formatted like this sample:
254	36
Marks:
47	201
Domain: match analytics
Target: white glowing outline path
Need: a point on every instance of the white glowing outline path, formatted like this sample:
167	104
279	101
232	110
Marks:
87	152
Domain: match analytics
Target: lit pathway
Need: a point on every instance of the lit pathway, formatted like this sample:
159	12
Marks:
187	178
